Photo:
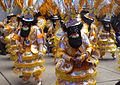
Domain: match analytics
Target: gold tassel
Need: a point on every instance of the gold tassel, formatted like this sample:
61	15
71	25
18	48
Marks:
30	2
3	6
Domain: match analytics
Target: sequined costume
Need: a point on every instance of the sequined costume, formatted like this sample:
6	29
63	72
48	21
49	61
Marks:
10	29
90	28
76	64
106	37
51	12
29	50
115	22
29	41
10	25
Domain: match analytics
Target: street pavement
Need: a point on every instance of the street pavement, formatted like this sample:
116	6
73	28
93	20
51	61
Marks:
107	72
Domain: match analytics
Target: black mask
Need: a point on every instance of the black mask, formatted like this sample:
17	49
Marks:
46	29
106	25
74	36
115	22
25	31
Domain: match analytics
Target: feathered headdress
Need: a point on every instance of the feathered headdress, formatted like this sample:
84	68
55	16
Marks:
32	4
7	5
69	11
103	7
116	7
29	8
117	2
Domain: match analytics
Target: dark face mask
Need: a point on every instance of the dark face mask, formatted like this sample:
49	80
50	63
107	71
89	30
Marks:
25	30
116	23
106	26
74	36
46	29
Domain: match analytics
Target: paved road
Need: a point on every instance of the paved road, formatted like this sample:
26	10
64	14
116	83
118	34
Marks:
107	72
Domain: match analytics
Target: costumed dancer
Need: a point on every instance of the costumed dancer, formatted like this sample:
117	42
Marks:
11	24
30	42
57	31
10	29
50	28
41	23
90	27
106	38
57	37
77	64
115	22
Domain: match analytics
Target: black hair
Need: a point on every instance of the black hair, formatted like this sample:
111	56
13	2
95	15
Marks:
83	12
88	21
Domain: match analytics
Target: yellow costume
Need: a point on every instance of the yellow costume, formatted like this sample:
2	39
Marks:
11	24
77	62
75	72
106	38
29	43
29	51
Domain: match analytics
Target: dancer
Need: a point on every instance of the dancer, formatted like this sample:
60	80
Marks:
106	38
77	62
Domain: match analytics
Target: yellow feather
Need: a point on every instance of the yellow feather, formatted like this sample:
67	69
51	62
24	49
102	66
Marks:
68	2
117	10
22	1
19	3
42	9
30	2
97	3
105	9
81	4
2	5
117	2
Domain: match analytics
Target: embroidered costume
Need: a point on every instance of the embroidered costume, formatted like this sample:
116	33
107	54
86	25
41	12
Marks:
106	38
29	50
76	64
